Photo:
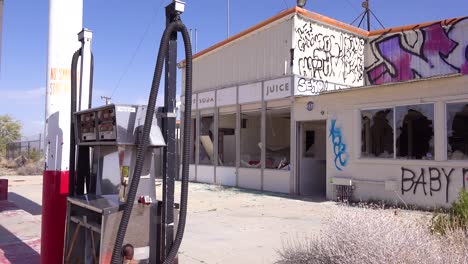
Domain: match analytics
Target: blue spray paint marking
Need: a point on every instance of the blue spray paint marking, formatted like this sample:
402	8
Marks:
339	147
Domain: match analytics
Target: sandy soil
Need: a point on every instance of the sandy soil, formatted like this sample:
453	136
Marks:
225	225
230	225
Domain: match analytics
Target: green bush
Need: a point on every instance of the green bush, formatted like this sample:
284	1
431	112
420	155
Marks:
456	218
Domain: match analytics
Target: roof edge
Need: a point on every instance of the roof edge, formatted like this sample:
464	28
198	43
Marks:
296	10
444	22
247	31
333	22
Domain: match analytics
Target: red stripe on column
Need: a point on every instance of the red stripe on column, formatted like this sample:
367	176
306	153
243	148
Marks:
54	208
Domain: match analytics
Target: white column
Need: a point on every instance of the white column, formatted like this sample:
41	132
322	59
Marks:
65	21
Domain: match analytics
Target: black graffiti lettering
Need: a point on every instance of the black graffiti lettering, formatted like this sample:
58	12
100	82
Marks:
447	177
329	54
406	179
433	179
409	181
421	180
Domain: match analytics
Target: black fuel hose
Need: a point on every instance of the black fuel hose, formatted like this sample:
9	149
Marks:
73	107
71	166
176	26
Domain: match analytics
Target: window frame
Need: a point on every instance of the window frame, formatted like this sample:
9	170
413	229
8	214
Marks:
250	108
446	141
276	108
393	129
219	114
394	107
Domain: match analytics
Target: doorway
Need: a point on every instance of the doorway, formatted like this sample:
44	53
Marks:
312	158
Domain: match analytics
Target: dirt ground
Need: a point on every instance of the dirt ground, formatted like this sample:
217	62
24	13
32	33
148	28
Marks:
225	225
229	225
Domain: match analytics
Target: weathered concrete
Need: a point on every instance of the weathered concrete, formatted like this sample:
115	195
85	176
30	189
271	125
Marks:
224	225
20	221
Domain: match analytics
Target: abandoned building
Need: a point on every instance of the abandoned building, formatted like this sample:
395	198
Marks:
307	105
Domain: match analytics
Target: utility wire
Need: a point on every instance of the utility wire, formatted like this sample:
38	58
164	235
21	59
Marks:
129	64
353	7
377	19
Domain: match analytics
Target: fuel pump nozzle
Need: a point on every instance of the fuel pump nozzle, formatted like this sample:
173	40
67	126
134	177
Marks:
165	54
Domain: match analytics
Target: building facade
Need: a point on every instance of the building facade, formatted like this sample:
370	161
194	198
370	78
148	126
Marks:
304	104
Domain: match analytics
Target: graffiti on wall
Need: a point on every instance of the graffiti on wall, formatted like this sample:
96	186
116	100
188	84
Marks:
429	181
309	86
437	49
326	54
339	146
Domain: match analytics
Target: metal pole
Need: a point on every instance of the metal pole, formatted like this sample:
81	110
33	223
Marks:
196	40
227	24
368	15
84	98
1	26
39	148
168	128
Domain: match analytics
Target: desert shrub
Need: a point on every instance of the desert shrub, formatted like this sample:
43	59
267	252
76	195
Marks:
33	155
8	163
352	235
456	218
32	168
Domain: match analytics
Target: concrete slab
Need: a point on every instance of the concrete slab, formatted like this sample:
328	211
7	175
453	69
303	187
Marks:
19	235
20	220
224	225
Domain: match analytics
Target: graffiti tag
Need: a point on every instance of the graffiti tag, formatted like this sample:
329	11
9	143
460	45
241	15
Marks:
310	86
431	179
339	147
326	53
425	52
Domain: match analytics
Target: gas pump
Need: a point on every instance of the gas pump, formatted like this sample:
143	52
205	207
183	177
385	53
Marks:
112	199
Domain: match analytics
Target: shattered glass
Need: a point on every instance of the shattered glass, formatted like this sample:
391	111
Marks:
377	133
457	131
415	131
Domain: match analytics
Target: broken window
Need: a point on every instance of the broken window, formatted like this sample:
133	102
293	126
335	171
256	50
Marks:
415	132
227	139
206	146
278	144
250	139
193	136
309	151
377	133
457	131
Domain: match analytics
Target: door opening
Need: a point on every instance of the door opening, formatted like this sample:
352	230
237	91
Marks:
312	158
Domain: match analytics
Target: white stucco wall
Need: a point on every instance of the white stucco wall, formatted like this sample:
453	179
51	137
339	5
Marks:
370	176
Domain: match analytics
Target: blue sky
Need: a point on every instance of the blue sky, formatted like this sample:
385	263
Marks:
126	39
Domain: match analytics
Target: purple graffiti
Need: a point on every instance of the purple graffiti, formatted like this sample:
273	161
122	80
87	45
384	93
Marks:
429	51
